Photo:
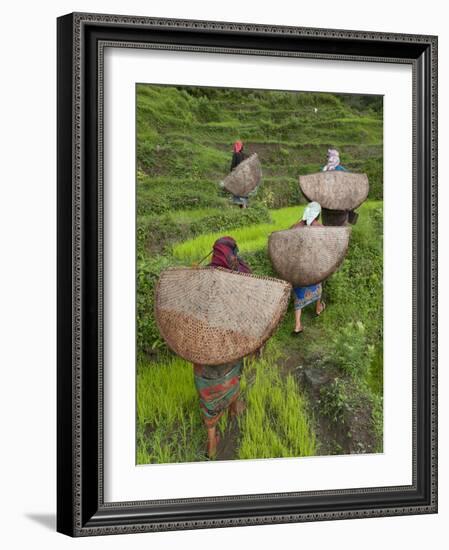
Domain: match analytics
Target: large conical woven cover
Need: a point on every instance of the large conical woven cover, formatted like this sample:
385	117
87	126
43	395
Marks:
335	189
308	255
245	177
213	316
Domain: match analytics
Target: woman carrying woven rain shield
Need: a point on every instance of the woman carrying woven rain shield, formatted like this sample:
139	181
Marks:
306	295
218	386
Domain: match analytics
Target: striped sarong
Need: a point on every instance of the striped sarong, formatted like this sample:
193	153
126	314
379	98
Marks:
217	387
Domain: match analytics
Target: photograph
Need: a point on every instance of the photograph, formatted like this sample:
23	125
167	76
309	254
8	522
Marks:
259	274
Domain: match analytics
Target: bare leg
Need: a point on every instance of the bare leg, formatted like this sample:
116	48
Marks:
298	326
212	440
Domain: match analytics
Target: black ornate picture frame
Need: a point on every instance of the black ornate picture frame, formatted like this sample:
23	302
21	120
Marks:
81	509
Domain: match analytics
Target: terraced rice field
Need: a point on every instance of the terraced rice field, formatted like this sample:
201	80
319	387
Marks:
184	138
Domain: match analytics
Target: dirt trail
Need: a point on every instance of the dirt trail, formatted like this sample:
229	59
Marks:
229	442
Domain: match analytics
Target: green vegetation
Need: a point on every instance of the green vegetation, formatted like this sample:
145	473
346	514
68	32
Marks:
184	136
277	422
250	238
170	428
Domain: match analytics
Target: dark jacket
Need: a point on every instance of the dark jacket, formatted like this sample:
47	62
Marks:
237	158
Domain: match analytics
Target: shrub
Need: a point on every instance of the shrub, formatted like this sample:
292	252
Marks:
161	200
231	219
355	291
351	351
280	192
260	263
335	401
148	336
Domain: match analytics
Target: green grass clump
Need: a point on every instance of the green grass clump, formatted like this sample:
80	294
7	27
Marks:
336	402
350	350
276	422
169	425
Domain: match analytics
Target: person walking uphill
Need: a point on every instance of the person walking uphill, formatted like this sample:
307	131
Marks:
337	217
333	161
238	156
219	386
306	295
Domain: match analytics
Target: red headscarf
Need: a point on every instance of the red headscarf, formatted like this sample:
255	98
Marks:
224	254
238	146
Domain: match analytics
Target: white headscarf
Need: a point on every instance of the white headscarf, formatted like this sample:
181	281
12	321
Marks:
311	212
333	160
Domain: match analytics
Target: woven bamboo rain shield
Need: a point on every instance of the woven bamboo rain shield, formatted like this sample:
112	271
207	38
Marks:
335	189
213	316
245	177
308	255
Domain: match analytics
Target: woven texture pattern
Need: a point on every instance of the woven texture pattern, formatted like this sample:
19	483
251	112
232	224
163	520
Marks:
335	190
212	316
245	177
308	255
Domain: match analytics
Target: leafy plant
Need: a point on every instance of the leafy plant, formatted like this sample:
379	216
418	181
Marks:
335	401
350	350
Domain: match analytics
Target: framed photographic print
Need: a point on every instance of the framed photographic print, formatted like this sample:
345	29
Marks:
247	288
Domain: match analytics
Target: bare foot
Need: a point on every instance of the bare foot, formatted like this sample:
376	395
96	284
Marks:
212	446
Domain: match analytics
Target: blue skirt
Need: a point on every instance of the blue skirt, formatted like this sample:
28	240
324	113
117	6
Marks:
240	200
305	295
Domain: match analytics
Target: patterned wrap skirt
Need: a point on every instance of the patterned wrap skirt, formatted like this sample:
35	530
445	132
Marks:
217	387
305	295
